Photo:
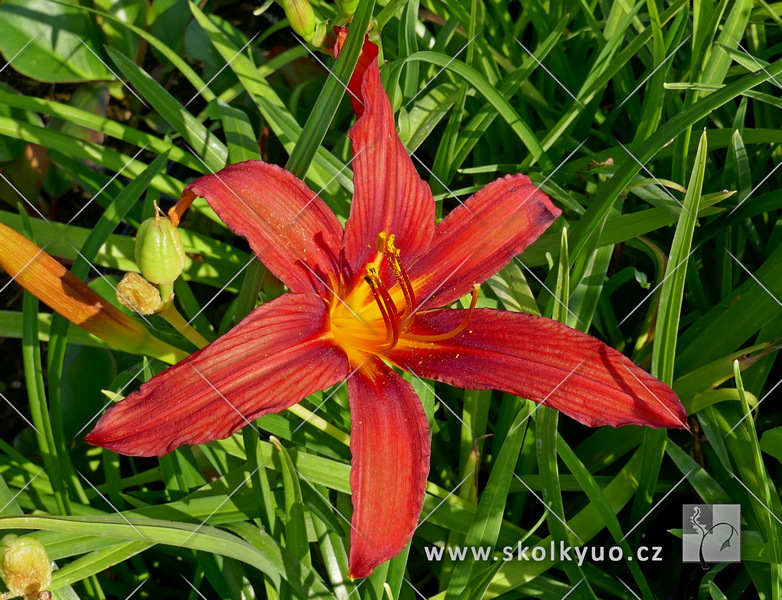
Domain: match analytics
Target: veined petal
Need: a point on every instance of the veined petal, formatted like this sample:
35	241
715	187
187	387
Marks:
365	59
542	360
288	226
389	195
480	237
280	353
391	448
58	288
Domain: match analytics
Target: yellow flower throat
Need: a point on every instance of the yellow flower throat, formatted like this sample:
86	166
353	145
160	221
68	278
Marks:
366	316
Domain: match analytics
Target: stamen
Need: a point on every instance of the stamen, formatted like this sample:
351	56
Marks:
380	242
392	313
453	333
389	329
392	254
386	306
407	289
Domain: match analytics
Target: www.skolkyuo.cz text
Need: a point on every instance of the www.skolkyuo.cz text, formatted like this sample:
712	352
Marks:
555	551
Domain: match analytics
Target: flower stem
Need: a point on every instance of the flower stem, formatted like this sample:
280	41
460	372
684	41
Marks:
177	321
319	423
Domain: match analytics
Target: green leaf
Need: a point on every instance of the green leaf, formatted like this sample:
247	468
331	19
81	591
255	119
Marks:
295	528
203	143
485	527
51	42
671	297
133	12
771	443
239	135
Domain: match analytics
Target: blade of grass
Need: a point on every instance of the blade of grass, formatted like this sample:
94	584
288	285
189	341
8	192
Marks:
598	499
33	375
643	153
765	488
546	440
295	533
325	108
199	138
669	314
667	329
485	527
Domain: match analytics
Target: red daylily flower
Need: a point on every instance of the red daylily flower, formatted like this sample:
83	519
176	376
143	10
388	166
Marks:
368	296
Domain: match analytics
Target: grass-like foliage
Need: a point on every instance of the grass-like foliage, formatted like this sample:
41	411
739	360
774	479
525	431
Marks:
655	126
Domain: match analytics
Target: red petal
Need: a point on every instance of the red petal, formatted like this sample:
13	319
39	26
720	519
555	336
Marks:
288	226
389	196
280	353
390	446
480	237
542	360
365	59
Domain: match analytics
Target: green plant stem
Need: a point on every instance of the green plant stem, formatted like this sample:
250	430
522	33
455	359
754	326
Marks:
177	321
319	423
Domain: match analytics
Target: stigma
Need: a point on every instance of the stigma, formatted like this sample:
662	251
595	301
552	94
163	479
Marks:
381	310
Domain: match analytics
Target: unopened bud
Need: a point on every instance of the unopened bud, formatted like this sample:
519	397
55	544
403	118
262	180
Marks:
137	294
24	566
160	255
303	20
321	28
347	7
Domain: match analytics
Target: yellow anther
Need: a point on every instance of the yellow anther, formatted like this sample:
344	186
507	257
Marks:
372	273
380	242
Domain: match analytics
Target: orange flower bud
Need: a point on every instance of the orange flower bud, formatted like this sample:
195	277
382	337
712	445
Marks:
53	284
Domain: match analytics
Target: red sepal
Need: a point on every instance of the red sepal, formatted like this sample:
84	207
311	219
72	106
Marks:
280	353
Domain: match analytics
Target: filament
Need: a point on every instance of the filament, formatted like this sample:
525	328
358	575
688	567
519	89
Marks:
454	332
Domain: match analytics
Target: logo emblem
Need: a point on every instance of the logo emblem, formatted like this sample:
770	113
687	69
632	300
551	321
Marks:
711	533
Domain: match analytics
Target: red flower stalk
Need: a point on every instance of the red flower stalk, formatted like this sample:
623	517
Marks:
366	297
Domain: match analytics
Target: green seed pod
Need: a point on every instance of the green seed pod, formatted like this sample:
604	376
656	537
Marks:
160	255
25	566
137	294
